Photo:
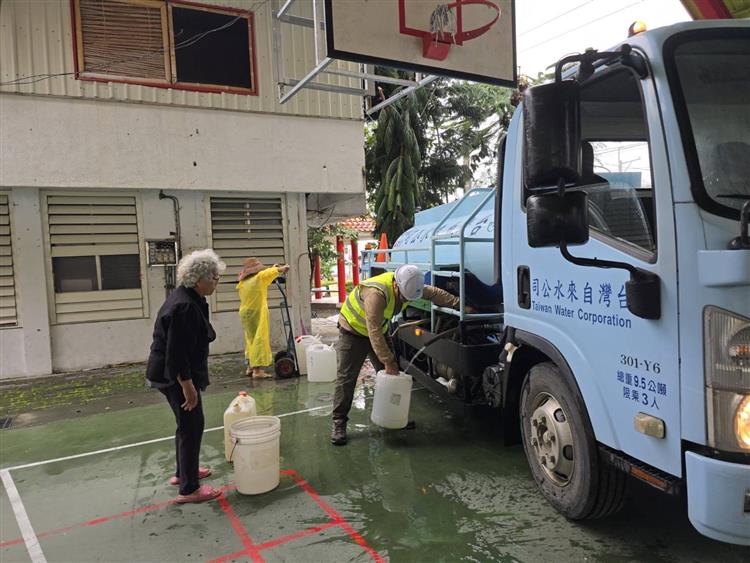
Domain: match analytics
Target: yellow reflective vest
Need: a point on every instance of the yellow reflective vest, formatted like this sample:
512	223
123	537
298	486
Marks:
353	308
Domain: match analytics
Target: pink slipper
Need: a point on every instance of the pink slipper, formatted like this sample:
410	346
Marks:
203	472
201	494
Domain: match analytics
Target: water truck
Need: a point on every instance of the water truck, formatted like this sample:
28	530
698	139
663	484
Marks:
604	282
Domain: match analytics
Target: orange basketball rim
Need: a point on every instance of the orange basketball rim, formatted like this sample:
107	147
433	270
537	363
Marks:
446	26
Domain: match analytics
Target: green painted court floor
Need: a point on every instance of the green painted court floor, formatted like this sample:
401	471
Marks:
446	491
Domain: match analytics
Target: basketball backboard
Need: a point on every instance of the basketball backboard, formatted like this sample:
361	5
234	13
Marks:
469	39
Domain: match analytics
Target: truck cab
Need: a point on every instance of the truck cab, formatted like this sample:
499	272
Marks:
608	275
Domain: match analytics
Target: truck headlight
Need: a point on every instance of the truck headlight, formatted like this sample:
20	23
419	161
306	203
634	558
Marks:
726	340
742	423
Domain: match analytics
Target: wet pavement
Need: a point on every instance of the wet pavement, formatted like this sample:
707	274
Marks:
445	491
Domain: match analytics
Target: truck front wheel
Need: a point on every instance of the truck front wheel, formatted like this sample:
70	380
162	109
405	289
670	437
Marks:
561	449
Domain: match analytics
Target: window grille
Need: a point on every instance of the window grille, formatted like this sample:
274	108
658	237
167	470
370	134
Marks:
7	279
243	228
96	261
166	43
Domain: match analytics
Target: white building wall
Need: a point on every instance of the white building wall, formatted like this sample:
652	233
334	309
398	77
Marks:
37	39
61	133
25	349
91	144
36	348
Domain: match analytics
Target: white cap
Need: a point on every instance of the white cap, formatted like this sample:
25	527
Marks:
410	281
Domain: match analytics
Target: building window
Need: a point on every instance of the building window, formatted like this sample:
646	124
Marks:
166	43
243	227
7	278
94	246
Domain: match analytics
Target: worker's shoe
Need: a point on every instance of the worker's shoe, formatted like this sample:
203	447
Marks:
338	433
201	494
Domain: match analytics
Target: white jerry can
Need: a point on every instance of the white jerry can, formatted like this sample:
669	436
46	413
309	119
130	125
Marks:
242	406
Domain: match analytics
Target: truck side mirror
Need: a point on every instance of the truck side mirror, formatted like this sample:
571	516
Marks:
554	218
552	134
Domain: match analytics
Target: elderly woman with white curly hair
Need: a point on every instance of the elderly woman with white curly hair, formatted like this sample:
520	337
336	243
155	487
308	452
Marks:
178	365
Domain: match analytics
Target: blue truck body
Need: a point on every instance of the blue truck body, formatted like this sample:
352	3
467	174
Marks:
654	391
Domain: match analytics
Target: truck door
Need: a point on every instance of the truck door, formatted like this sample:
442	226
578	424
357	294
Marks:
625	366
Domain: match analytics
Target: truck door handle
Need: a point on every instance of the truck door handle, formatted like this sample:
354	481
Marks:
524	287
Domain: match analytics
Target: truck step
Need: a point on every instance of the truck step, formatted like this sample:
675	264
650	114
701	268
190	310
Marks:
641	471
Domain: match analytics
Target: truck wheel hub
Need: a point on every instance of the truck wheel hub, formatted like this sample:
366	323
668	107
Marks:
552	439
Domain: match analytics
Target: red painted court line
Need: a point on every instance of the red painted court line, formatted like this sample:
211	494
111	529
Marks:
251	549
103	519
240	530
296	535
336	516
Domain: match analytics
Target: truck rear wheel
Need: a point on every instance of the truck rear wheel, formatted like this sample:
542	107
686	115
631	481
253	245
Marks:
561	449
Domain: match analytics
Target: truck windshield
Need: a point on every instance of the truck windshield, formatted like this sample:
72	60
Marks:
711	81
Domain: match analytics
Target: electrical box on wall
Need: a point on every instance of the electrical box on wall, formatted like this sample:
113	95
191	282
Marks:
161	252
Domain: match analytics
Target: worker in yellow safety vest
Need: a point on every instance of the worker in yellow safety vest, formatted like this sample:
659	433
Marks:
363	324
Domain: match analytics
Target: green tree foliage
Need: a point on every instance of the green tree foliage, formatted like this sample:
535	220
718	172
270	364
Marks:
398	165
423	147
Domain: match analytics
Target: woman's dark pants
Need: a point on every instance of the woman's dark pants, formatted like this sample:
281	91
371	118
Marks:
187	438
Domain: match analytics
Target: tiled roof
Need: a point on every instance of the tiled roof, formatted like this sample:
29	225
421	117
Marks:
359	224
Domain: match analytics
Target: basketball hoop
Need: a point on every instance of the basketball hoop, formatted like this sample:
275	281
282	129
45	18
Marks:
446	27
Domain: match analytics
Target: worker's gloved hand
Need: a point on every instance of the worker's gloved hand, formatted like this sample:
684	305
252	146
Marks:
392	368
283	267
470	310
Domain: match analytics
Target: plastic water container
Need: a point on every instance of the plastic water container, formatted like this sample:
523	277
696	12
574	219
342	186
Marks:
300	345
321	363
242	406
256	454
390	406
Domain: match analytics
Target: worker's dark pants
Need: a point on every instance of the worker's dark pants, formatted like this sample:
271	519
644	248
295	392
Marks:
351	351
187	438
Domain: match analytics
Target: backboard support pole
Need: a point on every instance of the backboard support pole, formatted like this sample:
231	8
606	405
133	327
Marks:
289	86
402	93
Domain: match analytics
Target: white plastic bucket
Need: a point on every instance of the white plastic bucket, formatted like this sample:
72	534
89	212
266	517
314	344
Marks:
390	406
242	406
321	363
300	345
256	454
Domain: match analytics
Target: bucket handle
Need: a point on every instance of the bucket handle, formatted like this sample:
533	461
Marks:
231	454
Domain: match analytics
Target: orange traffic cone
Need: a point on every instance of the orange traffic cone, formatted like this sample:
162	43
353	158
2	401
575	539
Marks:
381	257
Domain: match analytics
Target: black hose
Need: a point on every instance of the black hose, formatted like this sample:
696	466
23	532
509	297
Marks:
431	341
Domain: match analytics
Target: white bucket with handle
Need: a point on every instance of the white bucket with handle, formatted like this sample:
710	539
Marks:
256	454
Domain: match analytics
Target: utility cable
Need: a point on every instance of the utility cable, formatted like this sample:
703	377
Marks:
581	26
189	42
557	17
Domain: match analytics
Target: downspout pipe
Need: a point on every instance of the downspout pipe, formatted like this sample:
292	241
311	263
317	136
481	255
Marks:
177	236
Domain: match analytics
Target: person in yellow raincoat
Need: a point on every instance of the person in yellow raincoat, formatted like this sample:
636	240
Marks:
253	281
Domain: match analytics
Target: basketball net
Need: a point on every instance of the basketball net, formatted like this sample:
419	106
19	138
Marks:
443	22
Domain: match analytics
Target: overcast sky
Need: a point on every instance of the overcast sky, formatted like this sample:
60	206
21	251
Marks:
546	30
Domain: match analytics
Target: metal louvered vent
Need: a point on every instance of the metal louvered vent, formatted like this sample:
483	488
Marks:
243	228
7	280
96	262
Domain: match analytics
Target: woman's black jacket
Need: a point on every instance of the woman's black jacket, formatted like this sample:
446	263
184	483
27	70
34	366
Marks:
181	336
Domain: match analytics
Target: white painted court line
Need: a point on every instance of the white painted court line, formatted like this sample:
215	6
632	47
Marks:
29	537
137	444
146	442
